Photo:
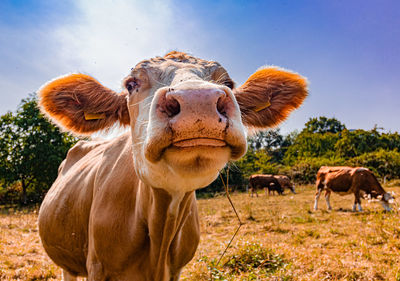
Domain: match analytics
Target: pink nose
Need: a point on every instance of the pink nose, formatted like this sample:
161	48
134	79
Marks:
198	100
204	112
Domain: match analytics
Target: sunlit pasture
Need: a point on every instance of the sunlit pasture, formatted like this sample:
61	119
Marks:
282	239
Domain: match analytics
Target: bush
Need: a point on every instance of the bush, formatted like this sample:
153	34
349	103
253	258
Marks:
252	259
385	164
305	170
11	194
253	256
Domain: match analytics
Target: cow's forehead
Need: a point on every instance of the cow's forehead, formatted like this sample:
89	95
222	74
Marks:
177	58
174	61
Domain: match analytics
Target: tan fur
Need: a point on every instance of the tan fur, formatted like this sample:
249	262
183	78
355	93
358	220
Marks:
125	209
97	193
285	91
66	99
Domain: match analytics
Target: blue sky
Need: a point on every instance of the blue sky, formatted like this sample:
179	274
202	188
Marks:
348	50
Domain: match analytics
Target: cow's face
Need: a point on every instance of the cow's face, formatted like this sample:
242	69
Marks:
292	188
187	120
386	200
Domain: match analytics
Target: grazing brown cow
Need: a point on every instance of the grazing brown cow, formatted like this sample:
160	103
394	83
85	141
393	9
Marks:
285	183
347	180
266	182
125	209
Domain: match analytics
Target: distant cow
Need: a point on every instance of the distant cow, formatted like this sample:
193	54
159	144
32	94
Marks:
285	183
265	182
347	180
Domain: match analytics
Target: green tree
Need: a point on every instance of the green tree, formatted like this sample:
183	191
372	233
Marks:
323	142
357	142
270	140
307	145
272	143
390	141
31	149
256	162
324	125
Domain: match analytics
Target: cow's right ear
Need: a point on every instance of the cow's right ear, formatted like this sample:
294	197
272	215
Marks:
80	104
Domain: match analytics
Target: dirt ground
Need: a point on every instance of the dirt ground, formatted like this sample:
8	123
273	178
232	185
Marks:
282	239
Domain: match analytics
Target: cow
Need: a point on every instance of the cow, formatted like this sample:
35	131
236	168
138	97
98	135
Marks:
285	183
125	208
346	180
266	182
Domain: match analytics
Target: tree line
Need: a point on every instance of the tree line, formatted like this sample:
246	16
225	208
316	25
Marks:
322	142
31	150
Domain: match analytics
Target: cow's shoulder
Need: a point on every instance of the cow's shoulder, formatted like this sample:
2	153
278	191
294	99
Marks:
255	176
323	169
335	170
361	173
282	179
361	170
81	149
92	152
262	176
115	167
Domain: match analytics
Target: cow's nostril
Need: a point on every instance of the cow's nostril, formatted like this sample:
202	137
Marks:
172	106
221	105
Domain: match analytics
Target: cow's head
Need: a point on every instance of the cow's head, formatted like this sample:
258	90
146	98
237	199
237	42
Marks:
292	188
186	117
386	200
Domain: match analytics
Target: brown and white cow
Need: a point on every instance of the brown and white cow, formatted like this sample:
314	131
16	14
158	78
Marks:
124	209
346	180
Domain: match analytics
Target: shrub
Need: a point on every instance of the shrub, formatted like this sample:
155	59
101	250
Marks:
253	256
385	164
305	170
252	259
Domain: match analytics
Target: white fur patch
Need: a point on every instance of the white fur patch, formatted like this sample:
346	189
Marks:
316	200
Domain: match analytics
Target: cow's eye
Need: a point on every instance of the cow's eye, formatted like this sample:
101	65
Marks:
229	84
132	84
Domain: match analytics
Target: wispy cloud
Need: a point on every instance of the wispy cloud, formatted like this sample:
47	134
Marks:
107	38
102	38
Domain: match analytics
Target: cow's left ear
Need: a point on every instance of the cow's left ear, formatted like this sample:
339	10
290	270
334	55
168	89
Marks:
269	95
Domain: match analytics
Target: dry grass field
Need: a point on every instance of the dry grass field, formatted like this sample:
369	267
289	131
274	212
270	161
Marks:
282	239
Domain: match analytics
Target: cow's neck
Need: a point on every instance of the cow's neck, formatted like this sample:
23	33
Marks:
166	214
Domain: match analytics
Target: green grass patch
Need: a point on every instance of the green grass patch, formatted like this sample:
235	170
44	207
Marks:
252	261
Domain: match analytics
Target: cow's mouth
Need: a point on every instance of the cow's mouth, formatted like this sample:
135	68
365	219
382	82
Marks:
199	142
197	155
156	146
